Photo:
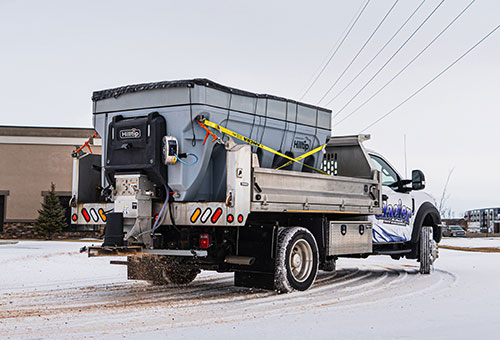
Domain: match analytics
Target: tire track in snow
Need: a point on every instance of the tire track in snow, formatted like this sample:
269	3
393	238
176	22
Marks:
138	307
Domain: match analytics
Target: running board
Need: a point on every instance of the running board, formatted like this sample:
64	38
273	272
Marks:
392	252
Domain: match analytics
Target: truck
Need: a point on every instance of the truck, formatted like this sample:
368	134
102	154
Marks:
195	175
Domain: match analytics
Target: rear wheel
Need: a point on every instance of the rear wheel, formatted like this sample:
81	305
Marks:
297	260
428	250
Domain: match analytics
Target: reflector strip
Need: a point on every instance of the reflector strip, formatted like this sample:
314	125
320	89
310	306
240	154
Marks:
206	215
195	215
324	211
102	214
216	215
86	215
94	215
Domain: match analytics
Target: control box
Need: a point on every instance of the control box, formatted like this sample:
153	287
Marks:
133	195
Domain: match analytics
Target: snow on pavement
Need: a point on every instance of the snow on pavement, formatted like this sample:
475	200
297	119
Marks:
50	291
479	242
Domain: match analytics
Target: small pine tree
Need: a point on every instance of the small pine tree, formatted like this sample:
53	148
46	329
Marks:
51	217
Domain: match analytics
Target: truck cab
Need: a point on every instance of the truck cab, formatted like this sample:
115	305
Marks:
406	208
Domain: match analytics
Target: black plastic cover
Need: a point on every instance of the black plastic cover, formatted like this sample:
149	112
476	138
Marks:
118	91
89	178
135	145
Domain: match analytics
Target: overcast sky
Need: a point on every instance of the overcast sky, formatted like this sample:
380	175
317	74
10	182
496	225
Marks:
55	53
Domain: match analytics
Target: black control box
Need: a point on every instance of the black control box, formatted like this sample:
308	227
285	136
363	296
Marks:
135	145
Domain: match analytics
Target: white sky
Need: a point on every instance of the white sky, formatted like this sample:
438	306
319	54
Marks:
55	53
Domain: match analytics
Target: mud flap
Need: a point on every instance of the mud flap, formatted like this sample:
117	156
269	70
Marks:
113	232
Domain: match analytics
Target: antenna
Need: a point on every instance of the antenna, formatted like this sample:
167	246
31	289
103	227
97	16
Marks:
406	164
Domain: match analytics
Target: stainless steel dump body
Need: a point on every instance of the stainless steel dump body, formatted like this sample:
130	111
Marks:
284	125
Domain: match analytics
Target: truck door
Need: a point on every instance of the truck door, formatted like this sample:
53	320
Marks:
395	222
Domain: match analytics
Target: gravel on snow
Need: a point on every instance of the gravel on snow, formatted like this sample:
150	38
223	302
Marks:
50	291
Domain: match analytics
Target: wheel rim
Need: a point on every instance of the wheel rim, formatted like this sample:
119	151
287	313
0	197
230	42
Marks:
301	260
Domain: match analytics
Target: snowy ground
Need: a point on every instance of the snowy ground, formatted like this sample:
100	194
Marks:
50	291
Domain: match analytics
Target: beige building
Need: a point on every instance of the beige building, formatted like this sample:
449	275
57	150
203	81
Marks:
30	159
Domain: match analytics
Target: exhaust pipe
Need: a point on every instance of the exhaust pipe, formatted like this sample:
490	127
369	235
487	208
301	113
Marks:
241	260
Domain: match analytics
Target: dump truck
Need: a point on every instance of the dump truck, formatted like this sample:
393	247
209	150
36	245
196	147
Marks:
197	176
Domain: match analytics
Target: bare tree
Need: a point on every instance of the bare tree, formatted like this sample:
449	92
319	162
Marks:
443	209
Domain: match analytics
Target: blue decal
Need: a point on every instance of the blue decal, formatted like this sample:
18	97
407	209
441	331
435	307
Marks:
396	214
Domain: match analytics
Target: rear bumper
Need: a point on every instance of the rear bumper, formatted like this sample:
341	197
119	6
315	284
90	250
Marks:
94	251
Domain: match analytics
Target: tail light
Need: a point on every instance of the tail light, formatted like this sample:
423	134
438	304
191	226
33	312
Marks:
204	241
86	215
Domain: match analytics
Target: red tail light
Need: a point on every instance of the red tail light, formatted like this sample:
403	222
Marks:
204	241
86	215
216	215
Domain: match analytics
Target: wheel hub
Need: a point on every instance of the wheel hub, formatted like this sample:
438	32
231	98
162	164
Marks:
297	261
301	260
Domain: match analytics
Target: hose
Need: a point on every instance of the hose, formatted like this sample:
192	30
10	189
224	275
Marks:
157	224
186	163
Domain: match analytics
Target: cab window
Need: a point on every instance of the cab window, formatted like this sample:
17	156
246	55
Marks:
389	176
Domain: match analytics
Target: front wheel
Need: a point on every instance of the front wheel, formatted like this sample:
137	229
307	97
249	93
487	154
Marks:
297	261
428	250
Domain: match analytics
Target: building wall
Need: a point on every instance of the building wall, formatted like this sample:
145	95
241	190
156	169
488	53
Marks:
29	164
488	218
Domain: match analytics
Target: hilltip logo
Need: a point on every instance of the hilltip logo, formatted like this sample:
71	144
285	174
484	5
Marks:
130	134
395	214
302	143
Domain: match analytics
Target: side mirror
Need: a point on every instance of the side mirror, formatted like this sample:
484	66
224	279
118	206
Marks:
417	180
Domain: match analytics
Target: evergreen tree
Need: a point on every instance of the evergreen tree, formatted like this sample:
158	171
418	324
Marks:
51	217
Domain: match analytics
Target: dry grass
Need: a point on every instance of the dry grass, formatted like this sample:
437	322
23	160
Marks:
479	249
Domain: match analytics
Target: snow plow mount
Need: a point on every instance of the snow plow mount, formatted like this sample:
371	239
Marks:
94	251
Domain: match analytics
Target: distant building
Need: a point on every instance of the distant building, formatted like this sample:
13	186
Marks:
30	159
487	219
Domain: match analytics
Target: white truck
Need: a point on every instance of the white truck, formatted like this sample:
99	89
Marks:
196	176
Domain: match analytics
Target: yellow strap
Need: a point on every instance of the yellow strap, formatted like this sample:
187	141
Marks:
222	129
303	156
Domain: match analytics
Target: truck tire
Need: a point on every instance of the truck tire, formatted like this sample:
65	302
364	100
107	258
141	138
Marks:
296	263
428	250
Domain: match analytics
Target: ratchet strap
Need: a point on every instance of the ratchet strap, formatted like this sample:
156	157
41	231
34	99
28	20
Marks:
222	129
307	154
86	144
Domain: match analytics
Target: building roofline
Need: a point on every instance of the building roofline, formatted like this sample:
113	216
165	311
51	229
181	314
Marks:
46	127
498	207
45	131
